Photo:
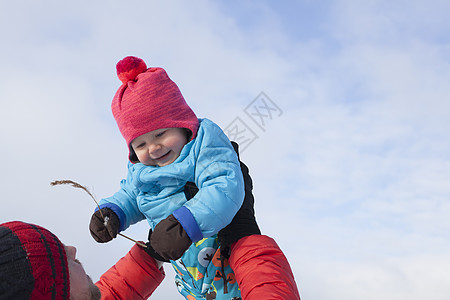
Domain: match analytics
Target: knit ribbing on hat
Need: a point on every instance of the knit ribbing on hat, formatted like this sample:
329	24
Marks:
149	101
16	279
45	261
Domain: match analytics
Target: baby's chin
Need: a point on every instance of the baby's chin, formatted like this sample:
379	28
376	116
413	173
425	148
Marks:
165	163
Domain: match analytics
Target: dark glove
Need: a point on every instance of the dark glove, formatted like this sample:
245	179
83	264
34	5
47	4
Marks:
104	230
150	251
244	222
169	239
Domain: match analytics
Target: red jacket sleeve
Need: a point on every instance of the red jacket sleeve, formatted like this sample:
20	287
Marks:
261	269
134	276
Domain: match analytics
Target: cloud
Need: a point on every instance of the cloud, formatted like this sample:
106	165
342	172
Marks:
351	179
393	278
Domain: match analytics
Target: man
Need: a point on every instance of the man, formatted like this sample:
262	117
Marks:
34	264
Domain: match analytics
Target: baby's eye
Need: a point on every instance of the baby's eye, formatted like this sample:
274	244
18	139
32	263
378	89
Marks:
141	145
160	134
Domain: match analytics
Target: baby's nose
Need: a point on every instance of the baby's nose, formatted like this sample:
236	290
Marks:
154	148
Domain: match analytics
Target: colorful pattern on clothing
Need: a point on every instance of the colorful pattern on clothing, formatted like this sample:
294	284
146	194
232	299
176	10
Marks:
203	273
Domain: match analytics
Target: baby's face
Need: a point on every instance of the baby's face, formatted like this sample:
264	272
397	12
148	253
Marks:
159	147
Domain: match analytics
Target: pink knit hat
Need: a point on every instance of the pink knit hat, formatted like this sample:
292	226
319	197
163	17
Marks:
148	100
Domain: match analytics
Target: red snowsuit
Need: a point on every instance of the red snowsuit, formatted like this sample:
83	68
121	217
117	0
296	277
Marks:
134	277
261	269
262	272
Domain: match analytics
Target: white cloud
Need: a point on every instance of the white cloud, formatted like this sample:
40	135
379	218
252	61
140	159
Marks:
393	278
351	180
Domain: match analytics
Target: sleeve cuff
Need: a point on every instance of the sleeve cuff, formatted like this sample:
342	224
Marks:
118	211
186	219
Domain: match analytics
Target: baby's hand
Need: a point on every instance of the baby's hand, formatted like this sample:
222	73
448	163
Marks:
104	230
169	239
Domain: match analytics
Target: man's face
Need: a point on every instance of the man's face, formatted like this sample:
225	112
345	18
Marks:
81	285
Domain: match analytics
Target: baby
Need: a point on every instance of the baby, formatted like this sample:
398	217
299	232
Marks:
171	149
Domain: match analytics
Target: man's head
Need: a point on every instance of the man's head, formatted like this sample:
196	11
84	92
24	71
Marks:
34	264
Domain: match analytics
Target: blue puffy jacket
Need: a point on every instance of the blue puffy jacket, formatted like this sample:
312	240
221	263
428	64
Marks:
153	193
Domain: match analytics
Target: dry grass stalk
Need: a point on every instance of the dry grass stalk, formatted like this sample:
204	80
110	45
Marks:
79	186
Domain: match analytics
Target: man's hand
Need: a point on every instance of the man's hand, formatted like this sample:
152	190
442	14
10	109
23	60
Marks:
150	251
244	222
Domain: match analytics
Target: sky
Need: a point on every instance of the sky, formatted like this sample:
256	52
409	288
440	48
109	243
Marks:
341	108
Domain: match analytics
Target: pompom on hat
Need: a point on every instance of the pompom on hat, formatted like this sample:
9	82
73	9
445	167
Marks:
33	263
148	100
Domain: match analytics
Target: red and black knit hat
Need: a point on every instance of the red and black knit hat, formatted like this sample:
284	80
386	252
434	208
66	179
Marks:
148	100
33	263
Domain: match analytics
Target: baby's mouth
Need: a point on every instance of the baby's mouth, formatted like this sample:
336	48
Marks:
163	157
